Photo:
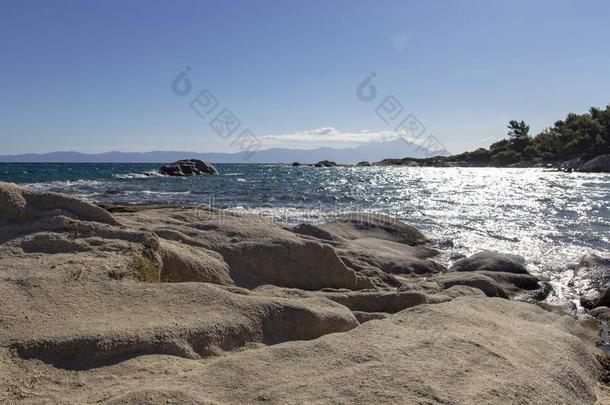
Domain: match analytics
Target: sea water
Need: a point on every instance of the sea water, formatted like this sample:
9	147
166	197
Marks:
550	218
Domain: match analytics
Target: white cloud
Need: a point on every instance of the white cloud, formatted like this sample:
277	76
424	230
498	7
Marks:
325	137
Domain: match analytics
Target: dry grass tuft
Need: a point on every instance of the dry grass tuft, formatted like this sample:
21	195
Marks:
145	270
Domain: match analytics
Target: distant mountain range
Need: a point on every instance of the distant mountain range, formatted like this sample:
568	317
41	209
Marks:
374	151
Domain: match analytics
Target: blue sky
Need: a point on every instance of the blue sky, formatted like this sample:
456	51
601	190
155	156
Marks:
96	76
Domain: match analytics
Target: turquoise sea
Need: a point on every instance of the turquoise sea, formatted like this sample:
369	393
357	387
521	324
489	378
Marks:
551	218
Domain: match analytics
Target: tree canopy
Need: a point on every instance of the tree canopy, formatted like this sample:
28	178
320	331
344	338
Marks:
578	135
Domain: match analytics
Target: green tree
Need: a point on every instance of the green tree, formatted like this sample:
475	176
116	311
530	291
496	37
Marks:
506	157
518	133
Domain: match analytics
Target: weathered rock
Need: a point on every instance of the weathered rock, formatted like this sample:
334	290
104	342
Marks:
378	301
188	167
88	325
507	271
469	350
18	204
602	313
489	286
515	280
571	165
372	301
77	328
392	257
491	261
367	225
183	263
462	291
592	280
257	251
363	317
595	299
376	245
599	164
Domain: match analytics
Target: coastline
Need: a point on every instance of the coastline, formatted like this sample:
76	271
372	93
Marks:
598	164
200	299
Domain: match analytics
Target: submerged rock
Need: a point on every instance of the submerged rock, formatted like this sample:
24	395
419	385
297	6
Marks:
188	167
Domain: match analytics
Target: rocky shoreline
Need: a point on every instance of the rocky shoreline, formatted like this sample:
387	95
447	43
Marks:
158	304
599	164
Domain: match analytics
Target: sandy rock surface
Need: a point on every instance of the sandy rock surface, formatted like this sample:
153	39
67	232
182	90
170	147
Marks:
185	305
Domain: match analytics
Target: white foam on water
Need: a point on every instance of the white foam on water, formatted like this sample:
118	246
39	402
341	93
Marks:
132	176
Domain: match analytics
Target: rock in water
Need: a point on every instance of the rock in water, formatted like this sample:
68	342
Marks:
599	164
188	167
325	163
592	280
491	261
363	164
506	272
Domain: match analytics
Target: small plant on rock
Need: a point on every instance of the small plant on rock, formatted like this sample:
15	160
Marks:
145	269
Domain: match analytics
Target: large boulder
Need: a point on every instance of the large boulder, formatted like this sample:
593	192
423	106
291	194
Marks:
256	250
599	164
488	285
188	167
367	225
491	261
18	204
507	271
469	350
376	245
86	325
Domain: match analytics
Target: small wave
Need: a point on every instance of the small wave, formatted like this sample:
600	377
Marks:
233	174
67	184
132	176
152	192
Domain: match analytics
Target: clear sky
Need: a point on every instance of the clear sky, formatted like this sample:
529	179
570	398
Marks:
95	76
